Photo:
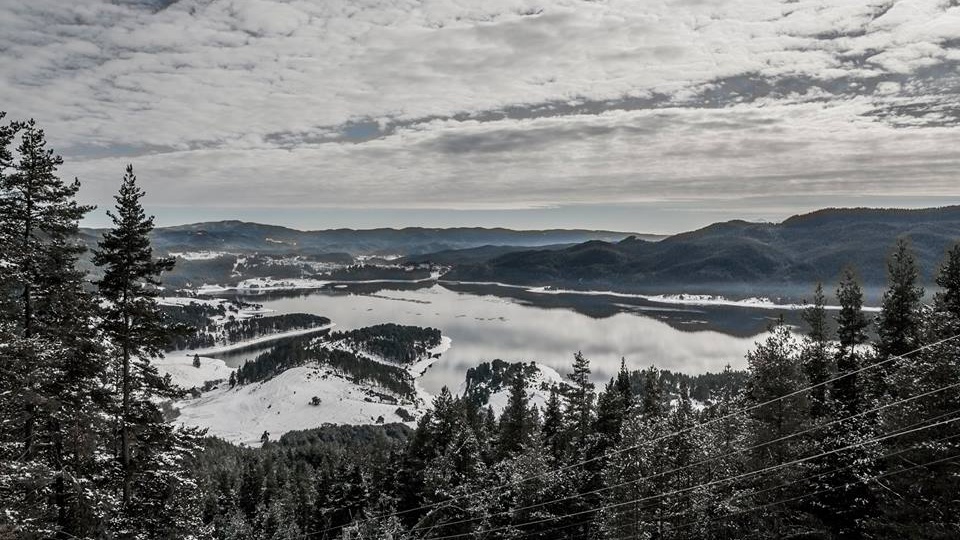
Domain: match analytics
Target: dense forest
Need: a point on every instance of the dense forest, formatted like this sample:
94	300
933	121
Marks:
201	331
393	342
85	451
829	434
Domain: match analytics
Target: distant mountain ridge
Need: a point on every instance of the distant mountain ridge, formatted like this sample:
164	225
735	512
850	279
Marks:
246	237
737	255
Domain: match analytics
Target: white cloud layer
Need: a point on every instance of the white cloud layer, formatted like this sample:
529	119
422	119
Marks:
495	104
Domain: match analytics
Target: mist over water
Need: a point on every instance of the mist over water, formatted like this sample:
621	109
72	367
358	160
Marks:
484	326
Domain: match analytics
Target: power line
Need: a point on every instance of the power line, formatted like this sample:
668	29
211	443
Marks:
707	460
644	443
826	490
707	484
754	493
824	473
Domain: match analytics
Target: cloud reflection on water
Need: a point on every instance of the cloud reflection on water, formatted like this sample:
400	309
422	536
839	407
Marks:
485	327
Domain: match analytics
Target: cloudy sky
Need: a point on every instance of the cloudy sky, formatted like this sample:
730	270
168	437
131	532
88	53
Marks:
641	115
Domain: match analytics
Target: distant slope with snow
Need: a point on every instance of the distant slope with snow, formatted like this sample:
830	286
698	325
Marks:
286	401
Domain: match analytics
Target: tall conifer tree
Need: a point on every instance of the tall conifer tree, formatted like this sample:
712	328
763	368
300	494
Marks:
815	356
900	320
151	452
51	364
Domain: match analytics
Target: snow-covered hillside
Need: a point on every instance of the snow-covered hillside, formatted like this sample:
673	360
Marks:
185	375
284	403
287	401
539	380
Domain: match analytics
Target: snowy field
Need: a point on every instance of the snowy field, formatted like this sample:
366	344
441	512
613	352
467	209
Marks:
285	402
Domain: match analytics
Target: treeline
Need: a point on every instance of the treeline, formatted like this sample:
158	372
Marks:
393	342
828	435
364	272
243	329
202	332
308	480
488	378
85	452
297	352
194	319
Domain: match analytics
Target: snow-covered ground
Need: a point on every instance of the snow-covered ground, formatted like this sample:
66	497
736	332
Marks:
183	373
689	299
271	284
198	255
283	403
677	299
538	389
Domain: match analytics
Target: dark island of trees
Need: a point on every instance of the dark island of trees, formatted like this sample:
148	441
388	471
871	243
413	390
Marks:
393	342
200	332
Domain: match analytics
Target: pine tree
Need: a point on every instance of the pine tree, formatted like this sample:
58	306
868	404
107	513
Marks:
724	437
515	428
775	377
847	503
51	391
899	322
584	445
947	300
851	334
684	449
816	355
533	487
151	452
623	386
554	435
635	470
580	399
651	401
927	505
458	476
610	413
613	404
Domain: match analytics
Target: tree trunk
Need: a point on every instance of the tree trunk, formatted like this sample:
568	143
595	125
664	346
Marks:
60	488
29	406
125	415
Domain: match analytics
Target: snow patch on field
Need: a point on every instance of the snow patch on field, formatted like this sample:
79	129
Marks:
183	373
271	284
276	336
689	299
198	255
283	403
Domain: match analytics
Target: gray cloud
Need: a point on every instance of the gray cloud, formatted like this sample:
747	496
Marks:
501	104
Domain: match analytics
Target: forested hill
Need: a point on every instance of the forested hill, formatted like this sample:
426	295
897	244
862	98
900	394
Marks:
798	251
244	237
